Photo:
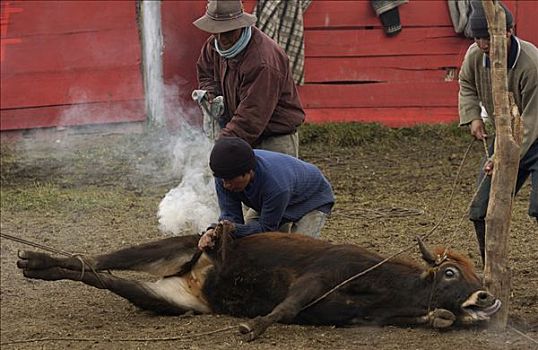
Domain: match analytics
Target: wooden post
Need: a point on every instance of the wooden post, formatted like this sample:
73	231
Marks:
506	160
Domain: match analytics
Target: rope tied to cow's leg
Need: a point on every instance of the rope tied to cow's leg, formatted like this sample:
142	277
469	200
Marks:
35	245
78	256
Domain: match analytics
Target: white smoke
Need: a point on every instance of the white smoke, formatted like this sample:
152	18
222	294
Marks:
192	205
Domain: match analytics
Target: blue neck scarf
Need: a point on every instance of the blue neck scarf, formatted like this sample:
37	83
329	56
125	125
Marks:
238	46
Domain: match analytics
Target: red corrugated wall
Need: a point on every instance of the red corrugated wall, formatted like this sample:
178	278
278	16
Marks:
69	63
182	43
353	72
78	62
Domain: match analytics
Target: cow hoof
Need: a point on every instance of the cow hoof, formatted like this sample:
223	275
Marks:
34	260
441	318
244	328
247	331
23	256
253	329
52	274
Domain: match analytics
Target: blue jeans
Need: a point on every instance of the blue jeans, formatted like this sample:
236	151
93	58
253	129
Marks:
528	166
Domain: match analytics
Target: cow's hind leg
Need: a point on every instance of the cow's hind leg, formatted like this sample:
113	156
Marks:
300	293
161	258
167	298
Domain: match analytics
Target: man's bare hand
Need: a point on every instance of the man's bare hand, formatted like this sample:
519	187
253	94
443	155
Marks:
478	129
207	239
488	167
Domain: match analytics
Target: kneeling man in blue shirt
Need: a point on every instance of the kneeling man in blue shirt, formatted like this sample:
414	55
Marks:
283	193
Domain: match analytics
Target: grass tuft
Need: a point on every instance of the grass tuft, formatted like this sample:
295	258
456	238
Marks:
357	134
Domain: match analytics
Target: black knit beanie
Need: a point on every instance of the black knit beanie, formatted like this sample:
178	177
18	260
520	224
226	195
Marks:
231	157
479	23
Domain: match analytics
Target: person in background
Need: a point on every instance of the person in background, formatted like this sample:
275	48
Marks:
252	73
475	91
289	194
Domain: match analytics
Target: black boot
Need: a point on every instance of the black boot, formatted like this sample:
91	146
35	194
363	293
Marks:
480	230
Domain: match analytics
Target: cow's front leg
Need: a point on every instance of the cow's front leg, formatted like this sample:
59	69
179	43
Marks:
300	293
438	318
441	318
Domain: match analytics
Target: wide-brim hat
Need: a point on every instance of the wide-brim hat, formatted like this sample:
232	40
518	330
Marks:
223	16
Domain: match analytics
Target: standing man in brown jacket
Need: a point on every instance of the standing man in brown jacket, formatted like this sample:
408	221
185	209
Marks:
253	75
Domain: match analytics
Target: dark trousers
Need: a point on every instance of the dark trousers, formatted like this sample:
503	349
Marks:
528	167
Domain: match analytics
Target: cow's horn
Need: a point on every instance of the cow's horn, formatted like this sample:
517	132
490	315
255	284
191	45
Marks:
427	255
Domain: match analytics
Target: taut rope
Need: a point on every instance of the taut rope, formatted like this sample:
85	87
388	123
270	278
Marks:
412	246
80	257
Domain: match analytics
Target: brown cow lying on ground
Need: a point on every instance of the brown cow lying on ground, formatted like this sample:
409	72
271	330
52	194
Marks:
272	277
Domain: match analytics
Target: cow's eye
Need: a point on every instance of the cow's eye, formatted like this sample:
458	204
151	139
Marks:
450	273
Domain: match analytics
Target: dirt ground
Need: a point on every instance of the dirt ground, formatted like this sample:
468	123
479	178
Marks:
98	193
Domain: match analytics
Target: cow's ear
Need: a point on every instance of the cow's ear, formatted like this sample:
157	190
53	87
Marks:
427	255
428	275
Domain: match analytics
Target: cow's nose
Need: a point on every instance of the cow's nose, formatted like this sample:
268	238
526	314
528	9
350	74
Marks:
480	298
482	295
484	298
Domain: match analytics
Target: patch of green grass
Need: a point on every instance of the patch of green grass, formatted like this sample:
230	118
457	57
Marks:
8	160
342	134
47	197
356	134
